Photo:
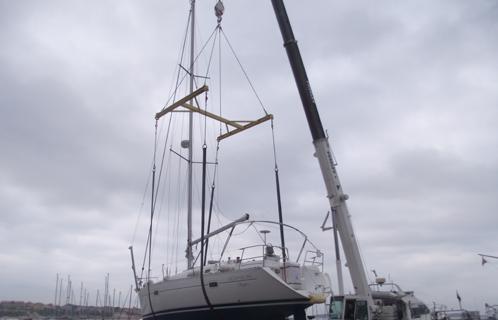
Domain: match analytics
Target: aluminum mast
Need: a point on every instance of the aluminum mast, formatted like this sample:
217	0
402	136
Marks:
323	151
190	256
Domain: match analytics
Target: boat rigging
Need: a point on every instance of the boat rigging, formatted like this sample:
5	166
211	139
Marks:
258	283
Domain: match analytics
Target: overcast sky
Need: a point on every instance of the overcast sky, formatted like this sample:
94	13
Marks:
408	92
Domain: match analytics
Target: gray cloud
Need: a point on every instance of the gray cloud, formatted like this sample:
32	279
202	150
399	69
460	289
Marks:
407	91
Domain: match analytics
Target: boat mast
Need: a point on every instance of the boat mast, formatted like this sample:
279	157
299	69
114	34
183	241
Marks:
323	152
190	256
56	289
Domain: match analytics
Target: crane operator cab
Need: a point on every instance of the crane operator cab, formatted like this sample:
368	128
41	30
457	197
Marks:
348	308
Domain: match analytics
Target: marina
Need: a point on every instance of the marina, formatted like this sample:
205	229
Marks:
219	196
265	285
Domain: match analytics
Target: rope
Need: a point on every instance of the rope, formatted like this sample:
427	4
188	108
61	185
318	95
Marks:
172	93
257	231
182	53
180	190
145	257
142	204
203	209
213	186
244	72
172	97
219	74
211	54
279	200
151	220
178	80
205	45
212	195
158	183
169	223
162	160
243	231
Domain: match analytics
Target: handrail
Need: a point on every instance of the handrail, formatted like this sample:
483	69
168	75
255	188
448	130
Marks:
263	246
241	221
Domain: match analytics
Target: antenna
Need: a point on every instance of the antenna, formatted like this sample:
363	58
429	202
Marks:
264	232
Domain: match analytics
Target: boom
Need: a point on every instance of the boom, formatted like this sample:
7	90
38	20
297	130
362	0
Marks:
335	194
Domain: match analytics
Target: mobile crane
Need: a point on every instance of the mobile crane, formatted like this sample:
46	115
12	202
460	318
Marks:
365	303
359	306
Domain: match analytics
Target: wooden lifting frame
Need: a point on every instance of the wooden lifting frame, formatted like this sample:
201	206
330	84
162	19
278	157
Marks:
238	125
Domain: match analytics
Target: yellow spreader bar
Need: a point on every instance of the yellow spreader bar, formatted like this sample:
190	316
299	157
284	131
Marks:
245	127
181	101
239	125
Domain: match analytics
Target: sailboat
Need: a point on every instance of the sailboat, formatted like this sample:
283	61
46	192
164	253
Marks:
491	311
264	281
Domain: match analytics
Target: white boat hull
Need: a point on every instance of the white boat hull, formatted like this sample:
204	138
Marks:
253	293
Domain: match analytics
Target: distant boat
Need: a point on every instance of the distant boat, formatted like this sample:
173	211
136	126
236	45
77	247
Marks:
457	314
397	304
491	311
392	302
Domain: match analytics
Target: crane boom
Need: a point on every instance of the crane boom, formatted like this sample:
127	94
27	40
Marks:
335	194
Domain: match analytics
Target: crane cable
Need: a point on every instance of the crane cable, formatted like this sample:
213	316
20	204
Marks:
203	251
152	207
213	186
244	72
